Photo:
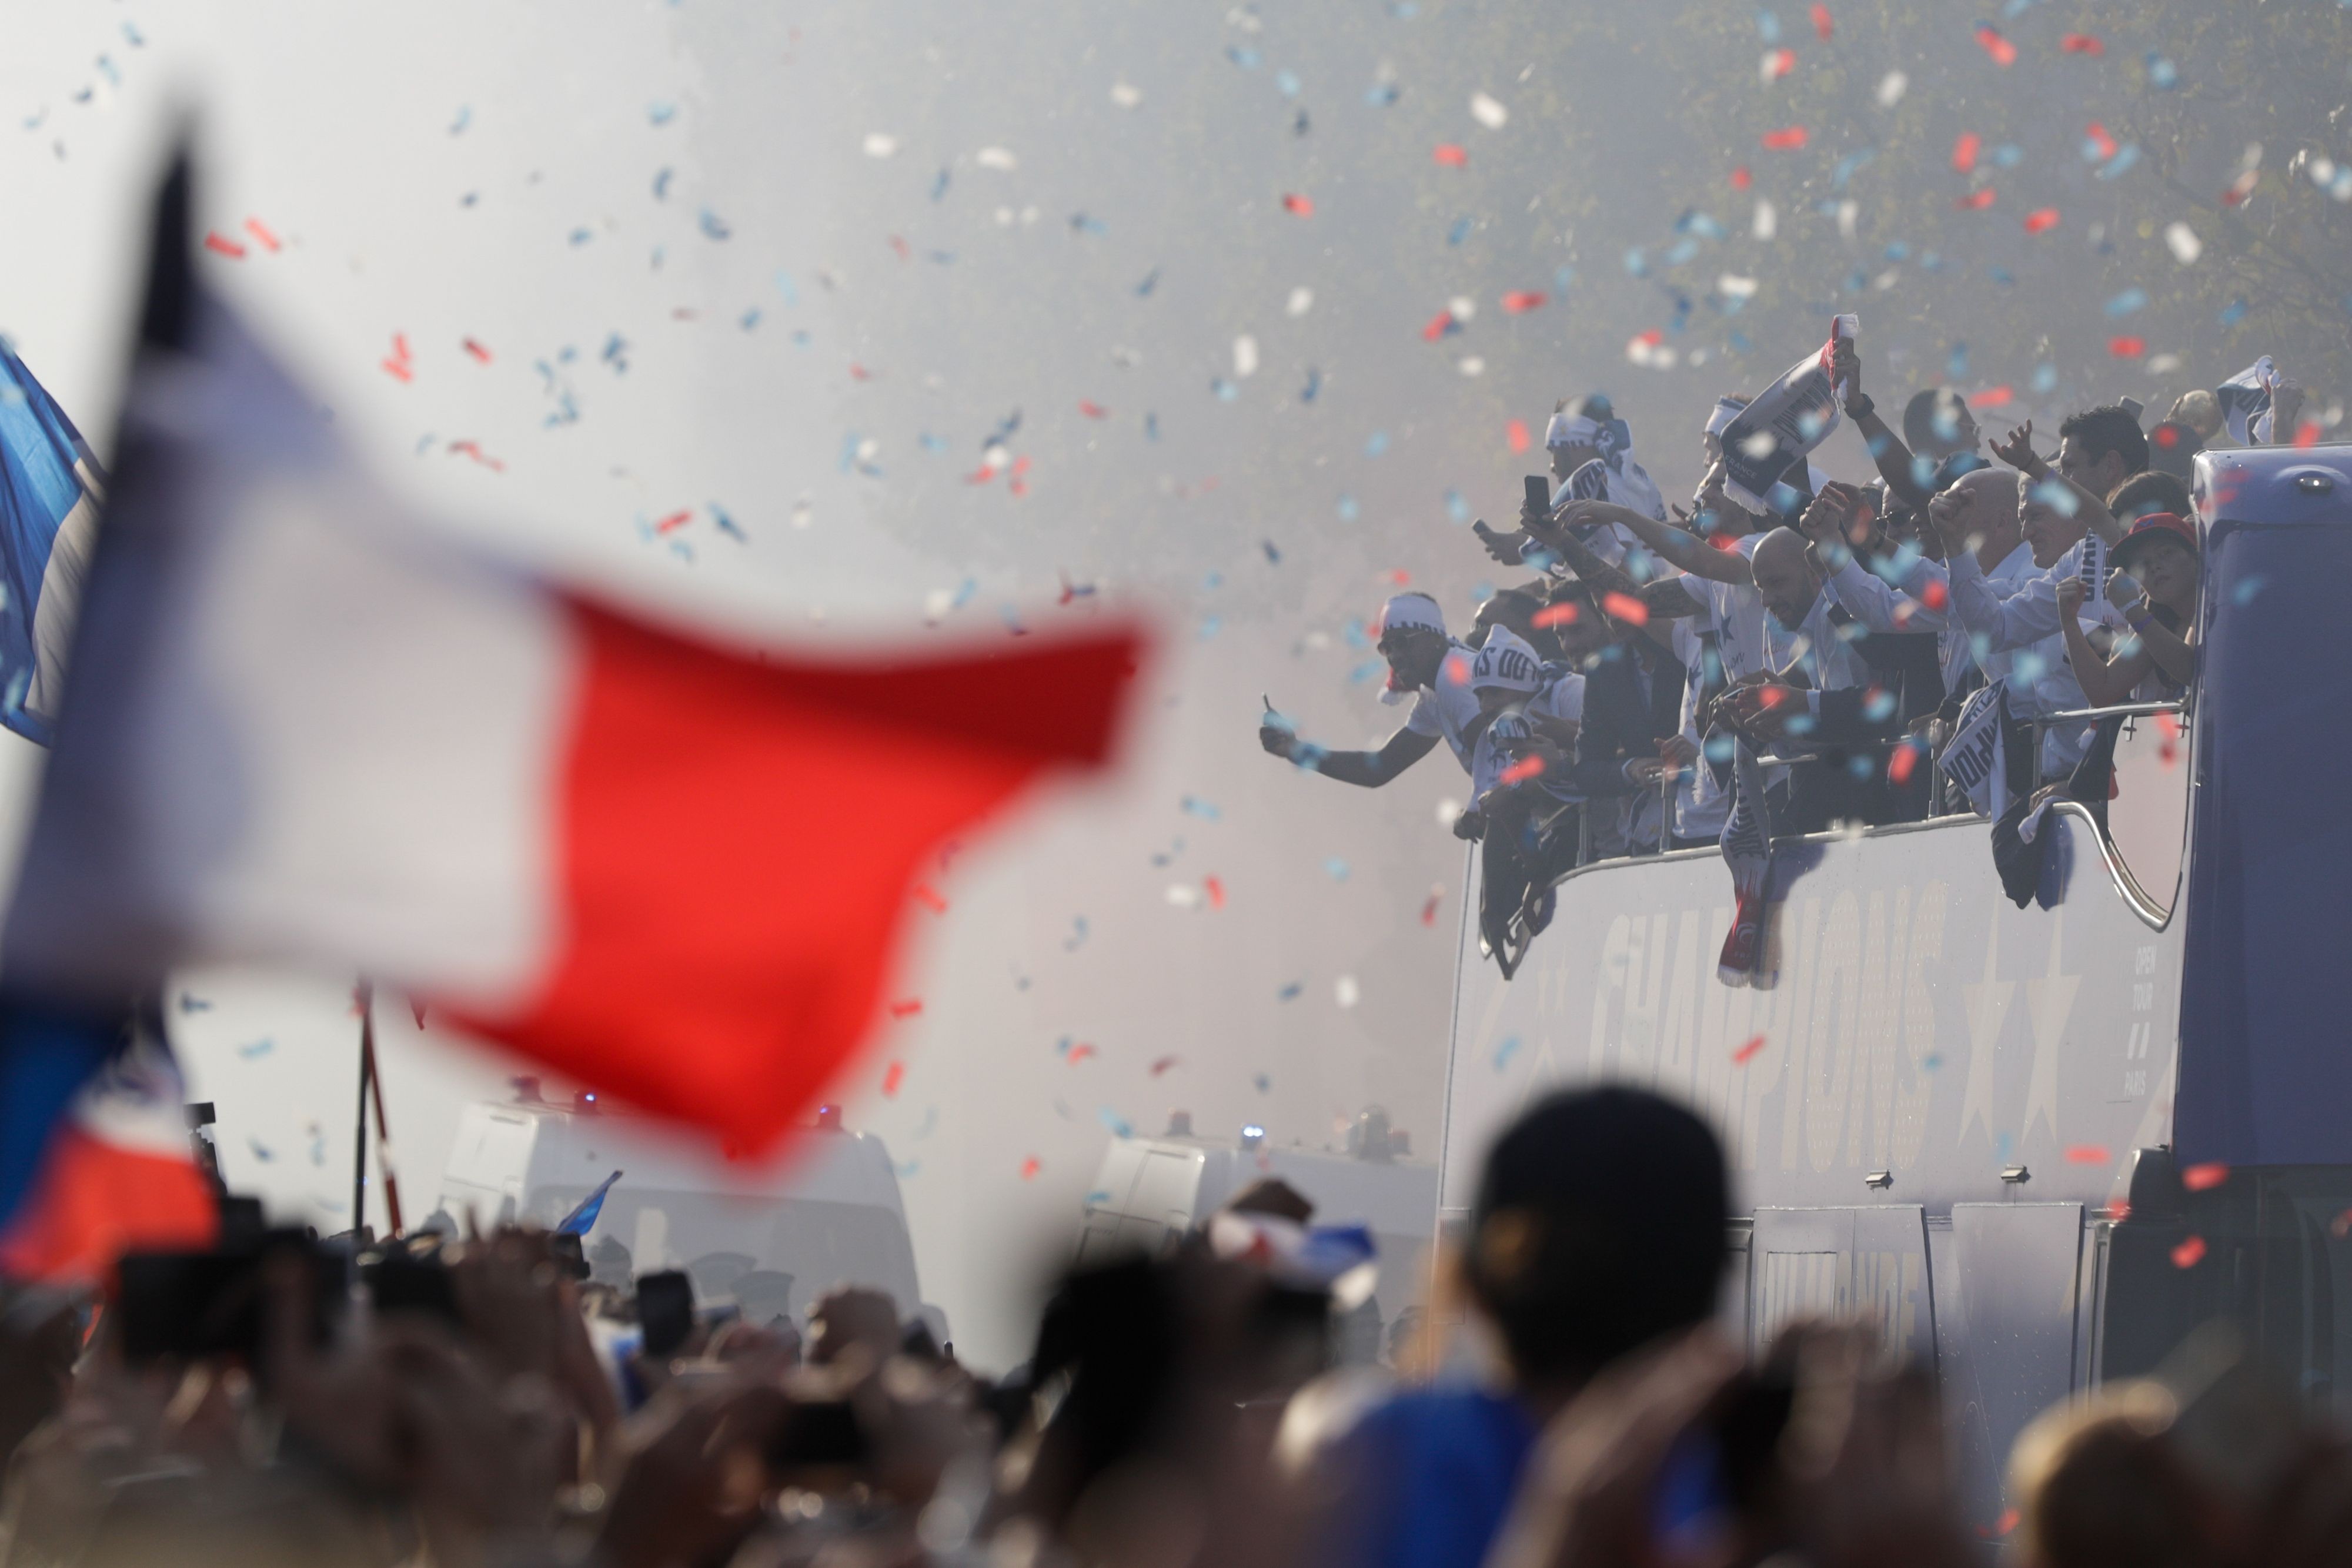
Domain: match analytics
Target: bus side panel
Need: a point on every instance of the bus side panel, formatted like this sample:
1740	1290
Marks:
1919	1029
2005	1331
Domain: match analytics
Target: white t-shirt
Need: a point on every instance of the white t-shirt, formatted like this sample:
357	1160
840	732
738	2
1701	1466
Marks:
1735	613
1502	741
1449	708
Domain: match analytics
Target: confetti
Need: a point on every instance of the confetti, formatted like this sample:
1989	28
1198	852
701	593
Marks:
2041	220
1163	1064
1520	301
1504	1049
907	1008
1488	111
222	245
1429	905
1525	767
1891	89
1030	1167
258	1047
262	237
1964	150
2182	241
2201	1178
1215	889
1451	155
2190	1253
1788	138
1626	607
1290	992
1747	1053
1515	435
2087	1155
1080	1052
893	1076
928	897
2127	348
1822	26
1304	206
2003	52
481	355
398	364
2081	44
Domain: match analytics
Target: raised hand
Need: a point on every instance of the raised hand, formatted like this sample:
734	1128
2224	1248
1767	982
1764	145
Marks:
2018	451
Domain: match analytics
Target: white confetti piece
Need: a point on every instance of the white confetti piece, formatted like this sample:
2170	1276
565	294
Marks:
2185	244
998	158
1731	285
1487	111
881	144
1448	809
1345	992
1471	365
1244	356
1891	89
1768	221
1302	300
1126	94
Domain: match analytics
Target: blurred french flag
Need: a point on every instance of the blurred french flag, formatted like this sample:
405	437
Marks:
51	487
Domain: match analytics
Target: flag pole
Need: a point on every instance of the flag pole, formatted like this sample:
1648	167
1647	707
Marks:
363	998
383	1127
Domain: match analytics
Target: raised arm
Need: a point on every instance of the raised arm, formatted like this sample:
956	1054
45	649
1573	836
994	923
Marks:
2174	656
2019	453
1887	449
2104	681
1683	550
1368	768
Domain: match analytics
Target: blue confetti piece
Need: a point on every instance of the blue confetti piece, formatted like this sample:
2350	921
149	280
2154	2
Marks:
616	354
749	319
725	523
964	592
1637	263
2045	378
1850	165
1081	224
2002	276
1506	1050
1151	281
2244	592
456	126
787	288
1457	231
939	184
1370	670
1100	1196
192	1003
715	227
1120	1126
1457	506
1348	509
132	37
1273	556
1956	363
1377	444
1313	384
2008	155
2129	301
1290	992
1249	60
1768	26
2162	73
2232	313
2125	156
930	1122
1226	391
906	1172
1565	275
1151	427
661	185
1336	869
662	113
1382	94
930	442
260	1151
1210	626
1206	810
1286	83
581	236
258	1047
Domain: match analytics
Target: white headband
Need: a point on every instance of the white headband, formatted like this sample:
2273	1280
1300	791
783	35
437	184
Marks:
1506	661
1726	411
1571	430
1410	612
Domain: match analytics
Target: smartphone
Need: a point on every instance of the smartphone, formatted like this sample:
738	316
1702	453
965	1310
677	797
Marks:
817	1432
666	1310
189	1305
399	1283
1538	492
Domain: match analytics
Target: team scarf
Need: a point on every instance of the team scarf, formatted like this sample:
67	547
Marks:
2245	400
1746	844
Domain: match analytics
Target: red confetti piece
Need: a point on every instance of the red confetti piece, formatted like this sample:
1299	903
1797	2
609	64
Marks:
1080	1052
2082	44
1429	905
1822	26
2087	1155
217	240
894	1075
1519	301
1556	615
1303	205
1786	140
2119	1211
481	354
2199	1178
858	373
1030	1167
2341	1226
2127	348
1993	397
2003	52
928	897
2001	1526
1215	890
907	1008
1976	201
1515	432
1779	63
1626	607
899	245
1452	156
1747	1053
2101	142
2041	220
1163	1064
1398	576
673	522
1899	766
1741	179
1093	410
1437	327
262	237
1935	595
1525	767
473	449
2190	1253
2307	433
1965	150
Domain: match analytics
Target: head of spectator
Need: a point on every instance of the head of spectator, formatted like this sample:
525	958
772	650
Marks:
2160	554
1598	1227
2100	1484
2153	491
1507	670
1582	429
2172	448
1937	424
849	1316
1274	1196
2099	448
2050	522
2200	411
1411	638
1726	408
1718	516
1516	608
1785	577
1574	619
1978	510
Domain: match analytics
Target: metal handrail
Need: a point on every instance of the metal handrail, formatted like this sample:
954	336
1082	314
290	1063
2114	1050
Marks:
2043	723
